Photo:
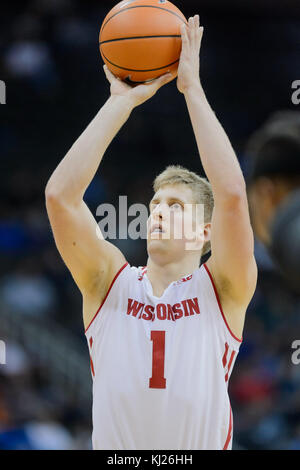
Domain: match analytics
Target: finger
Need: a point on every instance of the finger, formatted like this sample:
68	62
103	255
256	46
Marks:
191	28
196	35
199	36
184	36
191	21
109	75
160	81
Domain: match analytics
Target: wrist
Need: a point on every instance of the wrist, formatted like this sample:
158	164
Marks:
123	101
193	88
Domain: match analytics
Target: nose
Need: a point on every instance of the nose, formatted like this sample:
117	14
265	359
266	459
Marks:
157	215
159	212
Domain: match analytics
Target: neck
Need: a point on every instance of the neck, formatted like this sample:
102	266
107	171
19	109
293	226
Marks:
161	276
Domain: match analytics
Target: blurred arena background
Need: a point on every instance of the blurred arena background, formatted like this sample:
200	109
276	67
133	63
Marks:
55	85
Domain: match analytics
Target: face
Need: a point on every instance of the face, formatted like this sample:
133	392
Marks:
264	196
175	226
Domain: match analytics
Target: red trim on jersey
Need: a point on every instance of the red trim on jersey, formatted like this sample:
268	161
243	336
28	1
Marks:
229	365
91	360
143	272
224	360
220	306
92	367
106	295
229	431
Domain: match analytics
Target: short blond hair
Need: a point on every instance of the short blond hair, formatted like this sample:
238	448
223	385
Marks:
201	189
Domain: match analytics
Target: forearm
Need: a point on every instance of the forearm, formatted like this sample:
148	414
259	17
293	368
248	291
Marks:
75	172
217	155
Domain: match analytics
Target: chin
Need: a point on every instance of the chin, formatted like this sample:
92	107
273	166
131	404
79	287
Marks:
156	243
164	247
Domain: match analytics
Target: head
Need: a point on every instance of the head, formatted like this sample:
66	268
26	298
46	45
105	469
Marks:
180	214
274	152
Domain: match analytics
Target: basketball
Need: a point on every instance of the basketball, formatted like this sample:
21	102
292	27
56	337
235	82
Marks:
140	40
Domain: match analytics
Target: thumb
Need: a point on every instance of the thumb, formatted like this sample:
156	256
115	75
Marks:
167	77
109	75
160	81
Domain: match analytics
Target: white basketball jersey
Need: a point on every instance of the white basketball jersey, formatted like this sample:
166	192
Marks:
161	365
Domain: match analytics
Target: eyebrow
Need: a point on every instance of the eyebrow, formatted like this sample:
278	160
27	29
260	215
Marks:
169	199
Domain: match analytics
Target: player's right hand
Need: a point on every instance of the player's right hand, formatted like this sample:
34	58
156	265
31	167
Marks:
137	94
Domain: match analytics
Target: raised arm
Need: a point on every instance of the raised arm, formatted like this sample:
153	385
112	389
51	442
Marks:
232	263
92	261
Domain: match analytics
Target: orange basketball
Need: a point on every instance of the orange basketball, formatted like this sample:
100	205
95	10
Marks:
140	39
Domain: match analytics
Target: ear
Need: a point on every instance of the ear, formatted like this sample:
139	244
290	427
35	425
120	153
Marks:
207	232
197	245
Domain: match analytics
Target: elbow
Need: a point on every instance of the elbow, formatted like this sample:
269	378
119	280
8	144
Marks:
52	195
237	191
235	194
56	198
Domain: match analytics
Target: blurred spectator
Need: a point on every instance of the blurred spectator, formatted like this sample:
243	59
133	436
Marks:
26	290
272	187
32	61
37	436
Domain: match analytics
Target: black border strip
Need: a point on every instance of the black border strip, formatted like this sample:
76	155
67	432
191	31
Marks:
142	37
135	70
141	6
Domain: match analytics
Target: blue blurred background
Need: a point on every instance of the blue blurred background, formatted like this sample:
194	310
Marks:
50	62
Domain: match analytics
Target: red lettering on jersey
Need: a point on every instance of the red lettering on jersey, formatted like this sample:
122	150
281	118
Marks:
158	360
186	313
177	310
134	307
193	306
170	313
148	312
187	307
161	311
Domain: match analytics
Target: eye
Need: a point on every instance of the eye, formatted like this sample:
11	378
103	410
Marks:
153	206
176	205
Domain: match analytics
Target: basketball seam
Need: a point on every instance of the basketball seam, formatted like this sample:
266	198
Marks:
141	37
136	70
140	6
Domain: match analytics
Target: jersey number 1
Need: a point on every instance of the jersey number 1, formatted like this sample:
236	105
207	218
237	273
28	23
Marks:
158	360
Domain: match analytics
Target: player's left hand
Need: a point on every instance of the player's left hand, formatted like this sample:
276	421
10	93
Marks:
189	64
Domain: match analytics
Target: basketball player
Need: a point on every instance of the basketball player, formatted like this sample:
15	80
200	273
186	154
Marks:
163	339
